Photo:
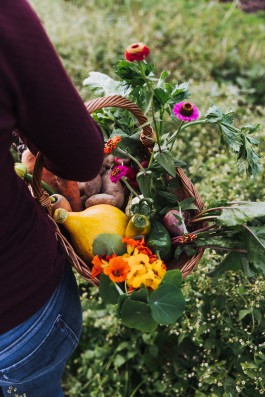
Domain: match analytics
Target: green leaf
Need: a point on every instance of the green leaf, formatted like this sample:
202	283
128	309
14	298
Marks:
188	204
105	85
214	114
248	160
232	261
241	213
107	290
144	180
230	137
141	295
167	304
258	233
121	299
168	197
137	315
173	277
160	98
254	243
243	313
258	316
167	161
108	244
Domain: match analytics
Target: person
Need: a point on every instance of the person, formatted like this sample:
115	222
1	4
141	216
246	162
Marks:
40	311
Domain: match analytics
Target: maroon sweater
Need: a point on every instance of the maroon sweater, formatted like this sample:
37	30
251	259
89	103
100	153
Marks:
38	99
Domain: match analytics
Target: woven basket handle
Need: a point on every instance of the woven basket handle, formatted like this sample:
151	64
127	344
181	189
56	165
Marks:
117	101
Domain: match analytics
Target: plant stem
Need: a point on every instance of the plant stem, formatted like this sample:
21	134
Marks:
46	187
151	159
121	151
210	210
175	134
204	229
204	121
206	218
124	180
151	91
217	248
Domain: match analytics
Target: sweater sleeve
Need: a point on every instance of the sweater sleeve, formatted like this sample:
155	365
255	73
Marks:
50	114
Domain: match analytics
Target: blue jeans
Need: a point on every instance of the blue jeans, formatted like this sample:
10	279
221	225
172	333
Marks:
33	354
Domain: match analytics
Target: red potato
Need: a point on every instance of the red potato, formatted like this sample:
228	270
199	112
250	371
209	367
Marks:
92	187
101	198
109	161
113	189
83	199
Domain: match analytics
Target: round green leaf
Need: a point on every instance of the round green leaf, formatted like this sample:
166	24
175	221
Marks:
107	290
173	277
137	315
167	304
108	244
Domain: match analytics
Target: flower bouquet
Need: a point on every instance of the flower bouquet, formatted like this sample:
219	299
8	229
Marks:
140	267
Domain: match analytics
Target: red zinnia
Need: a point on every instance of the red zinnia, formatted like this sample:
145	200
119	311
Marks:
111	144
136	52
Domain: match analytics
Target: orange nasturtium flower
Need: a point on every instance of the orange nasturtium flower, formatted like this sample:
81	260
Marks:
117	269
111	144
97	266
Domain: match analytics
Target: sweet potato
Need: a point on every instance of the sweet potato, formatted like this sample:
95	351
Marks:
113	189
100	198
69	189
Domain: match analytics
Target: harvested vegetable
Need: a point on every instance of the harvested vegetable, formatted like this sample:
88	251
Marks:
59	201
138	225
69	189
29	160
92	187
86	225
101	198
114	189
175	222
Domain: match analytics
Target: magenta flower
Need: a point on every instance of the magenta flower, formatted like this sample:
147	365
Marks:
117	173
186	111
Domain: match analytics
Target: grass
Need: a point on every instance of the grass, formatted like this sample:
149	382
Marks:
191	41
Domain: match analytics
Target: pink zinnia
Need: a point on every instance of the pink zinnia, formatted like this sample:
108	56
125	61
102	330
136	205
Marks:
117	173
186	111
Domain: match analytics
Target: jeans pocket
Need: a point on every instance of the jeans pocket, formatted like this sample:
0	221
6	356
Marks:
54	349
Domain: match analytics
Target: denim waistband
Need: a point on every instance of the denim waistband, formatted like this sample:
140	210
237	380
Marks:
34	323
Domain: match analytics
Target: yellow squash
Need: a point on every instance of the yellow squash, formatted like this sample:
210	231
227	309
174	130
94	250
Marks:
86	225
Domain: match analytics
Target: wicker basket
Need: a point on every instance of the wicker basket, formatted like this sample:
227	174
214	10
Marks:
184	263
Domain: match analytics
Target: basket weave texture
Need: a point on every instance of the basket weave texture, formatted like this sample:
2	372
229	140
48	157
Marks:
187	190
